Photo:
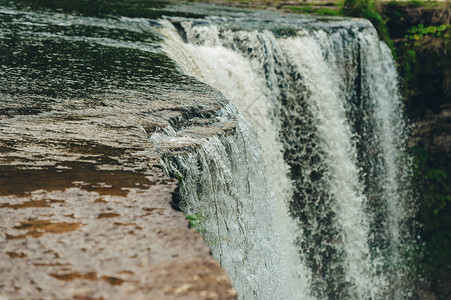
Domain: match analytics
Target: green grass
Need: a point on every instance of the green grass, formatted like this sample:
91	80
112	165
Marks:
196	222
416	3
310	9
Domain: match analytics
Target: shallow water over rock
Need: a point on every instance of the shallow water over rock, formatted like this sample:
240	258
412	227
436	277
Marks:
100	103
84	204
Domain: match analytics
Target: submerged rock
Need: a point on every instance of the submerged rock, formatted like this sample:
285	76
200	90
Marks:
84	204
85	213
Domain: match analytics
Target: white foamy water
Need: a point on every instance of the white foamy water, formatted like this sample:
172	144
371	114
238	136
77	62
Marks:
325	106
239	80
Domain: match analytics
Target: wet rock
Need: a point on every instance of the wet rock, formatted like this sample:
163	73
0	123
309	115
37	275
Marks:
94	230
85	207
88	106
432	132
443	285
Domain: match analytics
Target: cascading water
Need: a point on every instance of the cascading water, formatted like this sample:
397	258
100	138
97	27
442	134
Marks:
300	186
246	89
226	195
325	104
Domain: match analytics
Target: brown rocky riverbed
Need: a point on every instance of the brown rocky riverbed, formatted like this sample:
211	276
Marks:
85	208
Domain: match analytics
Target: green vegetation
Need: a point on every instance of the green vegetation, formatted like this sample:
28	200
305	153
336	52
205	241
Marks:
179	176
432	175
424	61
311	9
417	32
369	9
425	64
416	3
195	222
435	185
435	38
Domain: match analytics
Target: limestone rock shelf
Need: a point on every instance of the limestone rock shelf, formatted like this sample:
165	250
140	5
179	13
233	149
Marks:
85	207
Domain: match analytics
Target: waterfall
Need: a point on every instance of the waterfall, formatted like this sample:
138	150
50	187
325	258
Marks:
247	91
322	212
226	196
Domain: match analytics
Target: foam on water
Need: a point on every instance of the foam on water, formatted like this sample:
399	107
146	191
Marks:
325	106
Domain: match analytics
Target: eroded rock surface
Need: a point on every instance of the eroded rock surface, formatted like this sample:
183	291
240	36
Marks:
85	214
85	207
432	132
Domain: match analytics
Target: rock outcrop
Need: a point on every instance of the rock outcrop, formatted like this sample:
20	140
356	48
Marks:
85	206
433	131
